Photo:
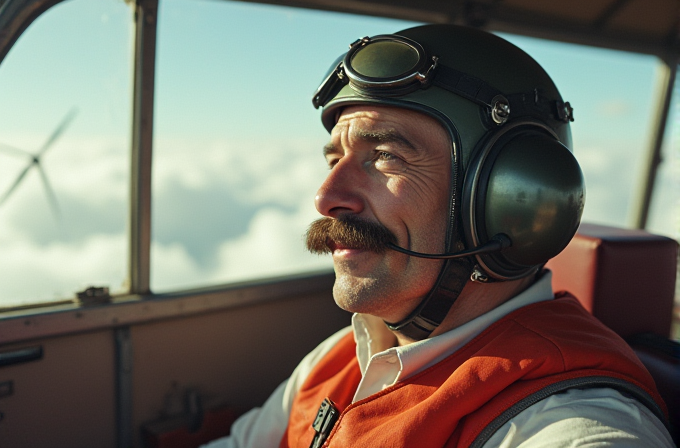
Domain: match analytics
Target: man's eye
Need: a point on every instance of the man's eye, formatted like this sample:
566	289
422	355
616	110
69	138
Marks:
387	161
386	156
332	163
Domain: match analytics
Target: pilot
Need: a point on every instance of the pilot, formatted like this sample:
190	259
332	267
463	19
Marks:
451	183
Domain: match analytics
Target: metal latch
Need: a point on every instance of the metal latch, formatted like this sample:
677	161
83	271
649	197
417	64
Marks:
94	295
323	424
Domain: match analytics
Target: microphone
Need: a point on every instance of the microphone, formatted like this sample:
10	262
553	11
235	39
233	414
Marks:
499	242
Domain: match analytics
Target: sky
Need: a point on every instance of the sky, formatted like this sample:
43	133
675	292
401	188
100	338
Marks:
237	144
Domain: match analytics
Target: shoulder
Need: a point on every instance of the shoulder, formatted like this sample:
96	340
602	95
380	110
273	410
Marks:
588	417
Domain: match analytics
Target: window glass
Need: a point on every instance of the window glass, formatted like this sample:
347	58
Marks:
65	96
664	216
237	142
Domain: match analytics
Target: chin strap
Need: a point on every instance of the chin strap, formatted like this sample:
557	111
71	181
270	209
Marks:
432	310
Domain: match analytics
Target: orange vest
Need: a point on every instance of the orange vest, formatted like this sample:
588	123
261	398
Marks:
534	352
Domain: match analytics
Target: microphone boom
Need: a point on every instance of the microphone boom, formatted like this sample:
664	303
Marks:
497	243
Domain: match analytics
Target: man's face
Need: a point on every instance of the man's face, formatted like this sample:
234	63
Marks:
388	166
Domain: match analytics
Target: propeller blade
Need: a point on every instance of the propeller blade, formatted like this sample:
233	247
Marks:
14	150
51	197
16	183
57	132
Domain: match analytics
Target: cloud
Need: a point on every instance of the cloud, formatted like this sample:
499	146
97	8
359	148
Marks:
29	271
664	214
222	212
272	245
232	211
172	267
210	194
258	170
610	182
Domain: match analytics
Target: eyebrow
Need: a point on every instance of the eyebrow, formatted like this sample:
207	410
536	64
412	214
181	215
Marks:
386	136
329	148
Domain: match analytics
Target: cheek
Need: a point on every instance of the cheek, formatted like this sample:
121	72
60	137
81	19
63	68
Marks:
426	193
422	210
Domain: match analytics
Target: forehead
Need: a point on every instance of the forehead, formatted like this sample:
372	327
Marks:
410	124
387	114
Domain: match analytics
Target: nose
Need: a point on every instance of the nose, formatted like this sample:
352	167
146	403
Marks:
341	192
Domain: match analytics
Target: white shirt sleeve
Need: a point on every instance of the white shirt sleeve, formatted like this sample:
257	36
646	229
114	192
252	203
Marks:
590	418
264	427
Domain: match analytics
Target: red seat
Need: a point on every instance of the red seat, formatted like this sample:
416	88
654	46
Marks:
626	278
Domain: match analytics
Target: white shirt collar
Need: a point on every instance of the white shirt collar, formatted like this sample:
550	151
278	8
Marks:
382	363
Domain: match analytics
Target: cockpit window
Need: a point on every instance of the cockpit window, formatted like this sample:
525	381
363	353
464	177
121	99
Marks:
665	208
664	216
64	151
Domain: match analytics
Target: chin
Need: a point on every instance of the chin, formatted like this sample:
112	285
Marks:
364	295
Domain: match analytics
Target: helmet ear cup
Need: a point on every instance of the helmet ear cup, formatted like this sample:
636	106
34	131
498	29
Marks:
527	185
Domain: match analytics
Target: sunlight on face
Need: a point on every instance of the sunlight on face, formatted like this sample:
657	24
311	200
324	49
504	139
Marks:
390	166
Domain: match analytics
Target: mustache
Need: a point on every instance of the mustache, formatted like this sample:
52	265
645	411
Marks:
349	231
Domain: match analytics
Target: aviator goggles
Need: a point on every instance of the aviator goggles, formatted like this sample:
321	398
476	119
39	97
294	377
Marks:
391	66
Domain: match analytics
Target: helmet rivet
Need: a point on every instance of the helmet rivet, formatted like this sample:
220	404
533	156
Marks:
500	109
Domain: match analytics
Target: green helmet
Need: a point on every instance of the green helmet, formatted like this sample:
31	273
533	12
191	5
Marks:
513	172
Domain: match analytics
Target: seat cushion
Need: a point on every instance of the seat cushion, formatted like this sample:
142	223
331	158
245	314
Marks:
625	278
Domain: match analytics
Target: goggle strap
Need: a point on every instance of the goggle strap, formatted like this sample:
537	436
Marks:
533	104
331	86
467	86
521	104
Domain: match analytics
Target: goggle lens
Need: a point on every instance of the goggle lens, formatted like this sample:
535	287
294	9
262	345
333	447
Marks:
385	60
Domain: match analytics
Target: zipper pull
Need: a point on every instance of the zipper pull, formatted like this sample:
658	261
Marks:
323	424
